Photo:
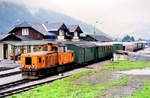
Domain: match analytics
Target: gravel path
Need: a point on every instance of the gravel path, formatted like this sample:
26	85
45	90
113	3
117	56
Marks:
134	81
145	71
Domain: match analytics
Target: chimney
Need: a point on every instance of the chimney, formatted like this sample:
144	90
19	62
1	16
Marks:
46	22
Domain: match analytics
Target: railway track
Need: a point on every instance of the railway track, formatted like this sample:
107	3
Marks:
11	81
12	84
9	72
4	68
33	84
25	88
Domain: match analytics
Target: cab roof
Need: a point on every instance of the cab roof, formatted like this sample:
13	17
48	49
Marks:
39	53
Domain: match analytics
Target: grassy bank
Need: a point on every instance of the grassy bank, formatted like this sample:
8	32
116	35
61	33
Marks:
68	88
125	65
91	83
144	92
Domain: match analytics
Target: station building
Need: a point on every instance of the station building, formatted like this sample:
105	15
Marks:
29	37
51	31
9	49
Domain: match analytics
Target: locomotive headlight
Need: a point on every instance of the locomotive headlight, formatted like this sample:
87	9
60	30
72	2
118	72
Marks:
22	65
33	66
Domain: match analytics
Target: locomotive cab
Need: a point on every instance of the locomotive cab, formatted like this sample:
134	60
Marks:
28	63
33	63
65	56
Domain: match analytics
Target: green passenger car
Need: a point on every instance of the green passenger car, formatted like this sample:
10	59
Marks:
83	52
104	51
117	47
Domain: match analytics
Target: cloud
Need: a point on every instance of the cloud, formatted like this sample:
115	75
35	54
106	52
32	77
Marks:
118	17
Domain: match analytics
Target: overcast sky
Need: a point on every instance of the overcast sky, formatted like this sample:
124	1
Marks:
115	17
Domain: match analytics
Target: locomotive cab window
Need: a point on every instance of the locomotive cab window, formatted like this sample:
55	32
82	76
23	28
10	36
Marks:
62	49
28	61
65	49
45	48
54	49
40	60
72	54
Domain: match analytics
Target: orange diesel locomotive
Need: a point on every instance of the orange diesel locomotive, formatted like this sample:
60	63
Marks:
50	60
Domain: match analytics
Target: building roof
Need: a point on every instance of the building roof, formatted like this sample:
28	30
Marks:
25	38
40	53
27	43
45	29
7	36
49	29
53	26
3	35
38	27
73	28
101	38
44	42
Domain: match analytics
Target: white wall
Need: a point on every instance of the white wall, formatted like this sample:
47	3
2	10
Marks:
1	51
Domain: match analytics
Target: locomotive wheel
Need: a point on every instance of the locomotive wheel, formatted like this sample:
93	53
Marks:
61	68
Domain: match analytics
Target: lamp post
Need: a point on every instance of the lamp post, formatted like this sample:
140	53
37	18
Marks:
95	26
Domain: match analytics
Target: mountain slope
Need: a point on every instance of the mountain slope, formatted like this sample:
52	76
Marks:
12	14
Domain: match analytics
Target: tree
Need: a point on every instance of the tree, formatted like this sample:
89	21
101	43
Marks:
128	38
116	40
132	39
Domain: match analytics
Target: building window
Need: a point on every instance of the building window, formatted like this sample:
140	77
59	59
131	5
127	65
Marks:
28	49
25	31
61	32
75	34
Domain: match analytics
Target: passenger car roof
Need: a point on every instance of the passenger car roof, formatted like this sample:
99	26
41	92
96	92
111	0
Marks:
84	45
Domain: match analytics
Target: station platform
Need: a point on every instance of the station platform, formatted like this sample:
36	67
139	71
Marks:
9	64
